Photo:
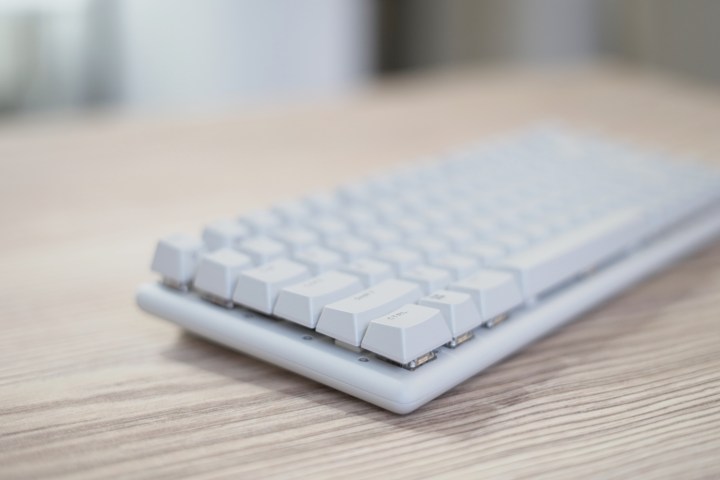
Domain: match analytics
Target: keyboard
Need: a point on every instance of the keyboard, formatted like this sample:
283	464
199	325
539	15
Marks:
398	287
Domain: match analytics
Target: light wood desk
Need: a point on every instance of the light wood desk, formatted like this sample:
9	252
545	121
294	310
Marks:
90	387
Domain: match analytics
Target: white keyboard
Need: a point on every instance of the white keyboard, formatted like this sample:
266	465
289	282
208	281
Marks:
397	288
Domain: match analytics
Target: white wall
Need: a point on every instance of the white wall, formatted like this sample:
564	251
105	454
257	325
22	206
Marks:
187	52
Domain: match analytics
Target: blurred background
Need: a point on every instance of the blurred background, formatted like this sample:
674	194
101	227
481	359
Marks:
67	55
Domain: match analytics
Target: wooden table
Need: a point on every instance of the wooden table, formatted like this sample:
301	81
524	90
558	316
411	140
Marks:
90	387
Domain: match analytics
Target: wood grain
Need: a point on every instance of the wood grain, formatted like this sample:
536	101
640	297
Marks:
90	387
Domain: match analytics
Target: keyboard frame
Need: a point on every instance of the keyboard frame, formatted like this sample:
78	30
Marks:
364	376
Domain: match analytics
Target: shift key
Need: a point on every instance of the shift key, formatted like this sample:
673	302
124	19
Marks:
346	320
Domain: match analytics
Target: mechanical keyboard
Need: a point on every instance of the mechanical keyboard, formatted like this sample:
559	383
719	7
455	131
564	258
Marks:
398	287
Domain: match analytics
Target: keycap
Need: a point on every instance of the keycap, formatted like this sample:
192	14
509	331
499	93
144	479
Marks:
437	217
261	221
549	264
429	278
224	233
388	212
328	227
292	211
296	238
407	333
410	226
370	272
460	266
258	288
482	252
355	192
399	258
380	236
457	237
347	319
359	218
350	247
262	249
319	259
218	272
322	202
176	258
558	222
457	308
536	231
302	303
509	242
412	201
495	292
430	248
483	226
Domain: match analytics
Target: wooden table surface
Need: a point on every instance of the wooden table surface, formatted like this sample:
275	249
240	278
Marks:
91	387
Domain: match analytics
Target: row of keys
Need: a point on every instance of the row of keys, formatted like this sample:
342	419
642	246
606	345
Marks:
339	305
355	242
229	276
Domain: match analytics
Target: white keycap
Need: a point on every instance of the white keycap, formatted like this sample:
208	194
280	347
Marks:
388	211
176	258
323	202
464	212
258	288
224	233
261	221
536	231
399	258
218	272
262	249
458	310
370	272
296	238
482	252
431	248
429	278
438	217
483	226
319	259
355	192
558	222
547	265
460	266
457	237
328	227
292	212
410	226
347	319
495	292
510	242
380	236
359	218
350	247
407	333
412	201
303	302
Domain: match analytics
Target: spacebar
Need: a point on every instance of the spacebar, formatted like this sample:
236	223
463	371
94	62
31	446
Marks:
548	265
